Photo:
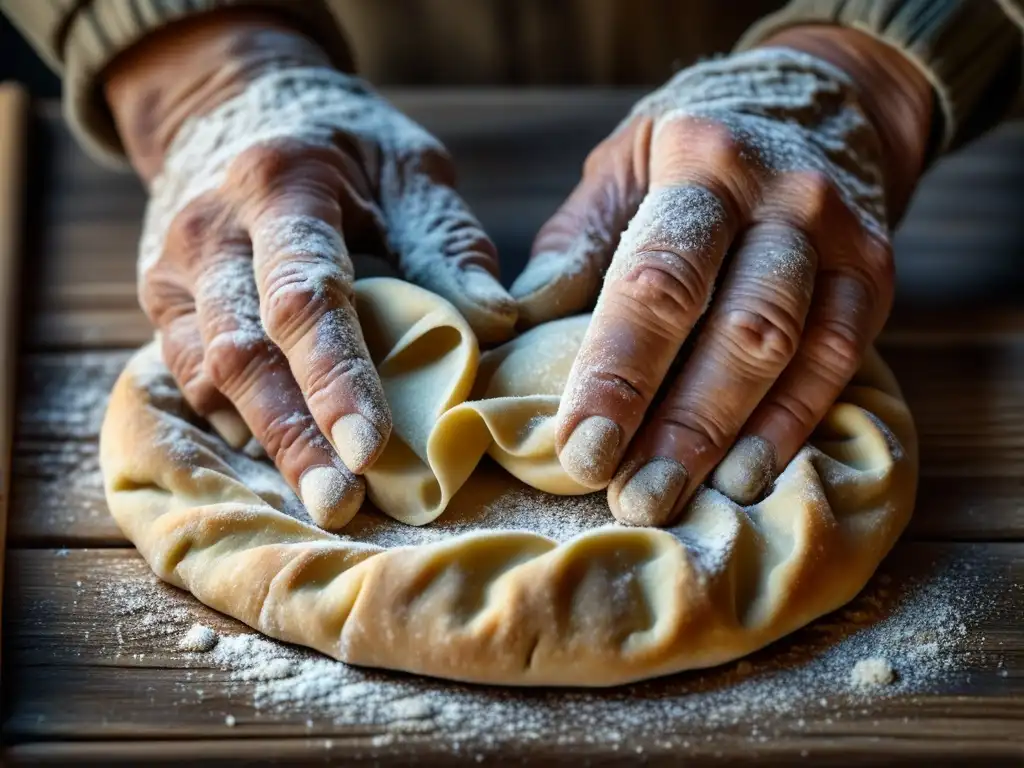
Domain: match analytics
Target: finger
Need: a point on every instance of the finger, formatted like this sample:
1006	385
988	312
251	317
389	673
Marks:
304	278
573	249
750	335
251	371
842	322
440	244
181	344
657	287
170	306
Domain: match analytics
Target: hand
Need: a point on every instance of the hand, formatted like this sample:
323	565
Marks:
740	214
275	168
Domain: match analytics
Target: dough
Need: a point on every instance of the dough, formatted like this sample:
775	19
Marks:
509	585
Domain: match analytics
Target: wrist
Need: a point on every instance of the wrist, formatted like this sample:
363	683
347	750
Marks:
894	93
191	67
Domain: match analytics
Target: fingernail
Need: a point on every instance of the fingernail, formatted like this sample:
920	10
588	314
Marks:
491	312
331	497
356	440
746	471
481	286
590	455
230	426
553	284
649	497
541	270
254	449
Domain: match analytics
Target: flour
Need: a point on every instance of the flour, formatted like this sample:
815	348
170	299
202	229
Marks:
199	639
924	628
874	671
474	508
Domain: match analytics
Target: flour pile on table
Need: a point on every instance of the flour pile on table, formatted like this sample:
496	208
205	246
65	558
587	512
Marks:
889	642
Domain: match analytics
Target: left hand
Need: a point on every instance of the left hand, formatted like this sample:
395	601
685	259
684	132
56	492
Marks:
756	179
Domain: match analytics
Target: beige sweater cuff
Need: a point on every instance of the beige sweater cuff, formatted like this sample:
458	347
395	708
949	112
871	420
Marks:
968	49
82	38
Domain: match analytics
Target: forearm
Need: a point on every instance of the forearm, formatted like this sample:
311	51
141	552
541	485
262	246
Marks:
968	50
894	93
80	40
190	67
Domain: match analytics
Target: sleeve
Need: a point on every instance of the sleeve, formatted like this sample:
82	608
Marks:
79	38
970	50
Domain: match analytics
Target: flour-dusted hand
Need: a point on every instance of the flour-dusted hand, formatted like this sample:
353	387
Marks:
245	265
735	228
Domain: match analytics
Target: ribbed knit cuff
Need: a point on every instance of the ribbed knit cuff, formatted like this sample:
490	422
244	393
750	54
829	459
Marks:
969	50
100	30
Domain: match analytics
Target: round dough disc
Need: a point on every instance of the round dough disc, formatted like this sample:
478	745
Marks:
479	559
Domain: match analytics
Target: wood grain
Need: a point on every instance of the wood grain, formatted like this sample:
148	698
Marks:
966	399
88	667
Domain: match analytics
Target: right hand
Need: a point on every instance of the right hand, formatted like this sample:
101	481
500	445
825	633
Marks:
283	167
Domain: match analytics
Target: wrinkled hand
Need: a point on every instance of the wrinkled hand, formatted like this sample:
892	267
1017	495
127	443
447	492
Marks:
245	269
739	211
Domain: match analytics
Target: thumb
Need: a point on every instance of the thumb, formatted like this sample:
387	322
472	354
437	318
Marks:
574	248
441	245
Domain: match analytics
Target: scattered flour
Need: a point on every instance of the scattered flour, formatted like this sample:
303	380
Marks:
200	638
920	628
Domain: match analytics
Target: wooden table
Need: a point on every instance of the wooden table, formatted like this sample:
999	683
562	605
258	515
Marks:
80	688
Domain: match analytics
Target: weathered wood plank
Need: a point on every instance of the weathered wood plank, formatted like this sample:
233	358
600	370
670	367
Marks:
519	153
93	657
782	750
967	401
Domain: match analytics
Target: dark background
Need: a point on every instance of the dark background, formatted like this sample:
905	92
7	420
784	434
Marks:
962	241
19	62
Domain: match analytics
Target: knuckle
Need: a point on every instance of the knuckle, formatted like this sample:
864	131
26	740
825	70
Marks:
232	358
785	407
804	199
296	293
286	435
815	193
665	291
260	168
837	351
159	296
627	385
713	142
764	340
195	225
184	361
356	372
703	429
599	158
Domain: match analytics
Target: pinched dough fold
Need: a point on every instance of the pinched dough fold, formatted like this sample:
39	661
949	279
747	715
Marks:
596	605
